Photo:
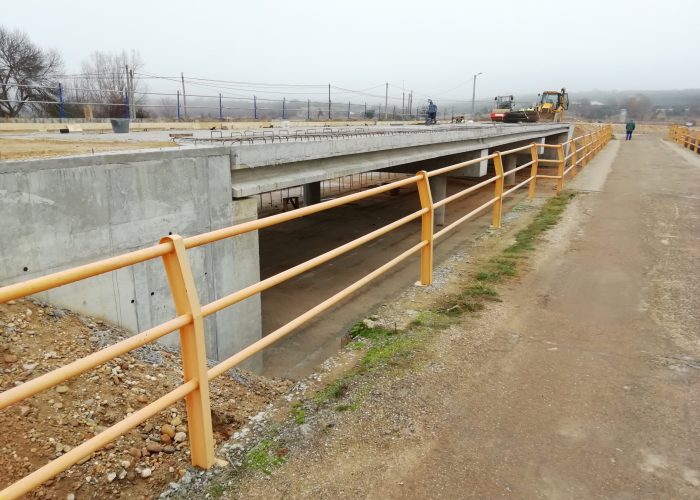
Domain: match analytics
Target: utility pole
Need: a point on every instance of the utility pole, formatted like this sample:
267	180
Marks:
284	105
474	94
178	105
403	105
308	109
386	101
329	101
132	97
221	109
184	95
255	107
128	91
61	107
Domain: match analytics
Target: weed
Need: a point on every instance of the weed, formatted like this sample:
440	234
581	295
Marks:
430	319
361	330
480	290
334	390
358	345
504	265
491	276
265	456
391	353
549	215
298	413
217	490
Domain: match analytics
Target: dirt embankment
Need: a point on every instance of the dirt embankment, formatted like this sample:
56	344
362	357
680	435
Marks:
36	338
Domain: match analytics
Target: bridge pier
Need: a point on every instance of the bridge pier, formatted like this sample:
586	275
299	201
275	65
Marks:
438	191
476	170
312	193
510	162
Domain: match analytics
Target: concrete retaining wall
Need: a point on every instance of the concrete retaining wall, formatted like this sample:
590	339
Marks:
65	212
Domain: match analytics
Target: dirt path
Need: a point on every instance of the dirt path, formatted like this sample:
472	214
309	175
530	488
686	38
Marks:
582	383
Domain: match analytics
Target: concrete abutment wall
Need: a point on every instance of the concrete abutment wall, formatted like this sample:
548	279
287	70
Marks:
60	213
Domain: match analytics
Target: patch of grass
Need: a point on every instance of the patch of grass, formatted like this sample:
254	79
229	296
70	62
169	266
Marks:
359	329
358	345
265	456
504	265
217	490
431	319
491	276
298	413
480	290
335	390
549	215
395	352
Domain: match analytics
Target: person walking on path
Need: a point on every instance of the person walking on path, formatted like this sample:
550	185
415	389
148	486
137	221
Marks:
630	128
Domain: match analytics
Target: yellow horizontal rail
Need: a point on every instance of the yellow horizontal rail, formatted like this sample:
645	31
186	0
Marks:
190	314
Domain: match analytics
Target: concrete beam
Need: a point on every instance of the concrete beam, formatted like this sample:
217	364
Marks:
269	167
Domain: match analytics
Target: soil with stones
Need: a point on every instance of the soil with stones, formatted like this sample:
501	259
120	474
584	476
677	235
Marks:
36	338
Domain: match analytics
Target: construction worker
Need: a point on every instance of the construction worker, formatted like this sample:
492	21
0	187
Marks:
432	111
629	128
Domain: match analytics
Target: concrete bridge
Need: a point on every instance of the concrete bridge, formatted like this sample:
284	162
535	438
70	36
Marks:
63	212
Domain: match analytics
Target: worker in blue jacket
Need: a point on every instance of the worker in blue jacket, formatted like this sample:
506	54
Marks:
432	111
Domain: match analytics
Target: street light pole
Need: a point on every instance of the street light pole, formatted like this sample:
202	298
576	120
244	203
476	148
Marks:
474	94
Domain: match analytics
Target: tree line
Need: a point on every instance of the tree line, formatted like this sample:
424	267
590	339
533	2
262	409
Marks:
32	81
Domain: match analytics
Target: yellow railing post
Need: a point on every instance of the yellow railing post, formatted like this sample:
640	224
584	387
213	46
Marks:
560	167
426	231
574	159
194	358
498	206
532	186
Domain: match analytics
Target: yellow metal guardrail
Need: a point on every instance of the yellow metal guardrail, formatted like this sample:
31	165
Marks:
172	249
686	137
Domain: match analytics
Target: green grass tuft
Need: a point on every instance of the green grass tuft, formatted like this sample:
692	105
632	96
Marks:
298	413
265	456
480	290
217	490
361	330
335	390
549	215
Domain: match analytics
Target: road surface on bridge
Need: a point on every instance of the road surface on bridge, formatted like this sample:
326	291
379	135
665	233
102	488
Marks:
583	383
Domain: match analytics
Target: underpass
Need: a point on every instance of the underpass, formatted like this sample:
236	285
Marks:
67	211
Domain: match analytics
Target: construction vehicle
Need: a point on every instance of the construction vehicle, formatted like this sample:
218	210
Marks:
550	108
504	104
552	105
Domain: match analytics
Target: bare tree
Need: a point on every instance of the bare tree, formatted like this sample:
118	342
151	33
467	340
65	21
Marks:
104	82
27	73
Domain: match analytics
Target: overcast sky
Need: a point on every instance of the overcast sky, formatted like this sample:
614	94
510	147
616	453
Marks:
432	47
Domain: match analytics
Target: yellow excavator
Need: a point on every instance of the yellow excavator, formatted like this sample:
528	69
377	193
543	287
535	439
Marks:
550	107
552	104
